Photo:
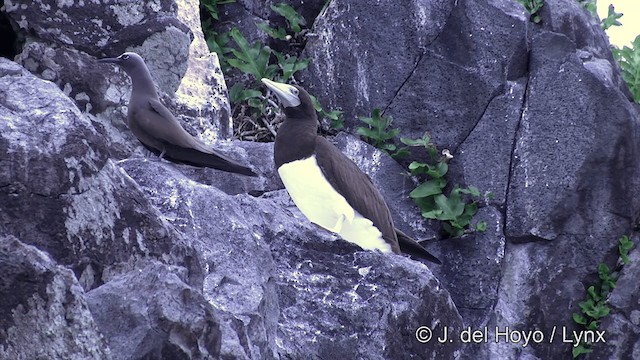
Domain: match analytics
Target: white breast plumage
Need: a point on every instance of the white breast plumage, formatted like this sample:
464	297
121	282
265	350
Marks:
323	205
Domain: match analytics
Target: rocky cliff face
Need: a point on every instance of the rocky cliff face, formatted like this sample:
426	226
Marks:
107	254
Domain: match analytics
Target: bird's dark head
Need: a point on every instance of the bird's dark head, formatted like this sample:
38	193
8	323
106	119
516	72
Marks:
129	61
296	101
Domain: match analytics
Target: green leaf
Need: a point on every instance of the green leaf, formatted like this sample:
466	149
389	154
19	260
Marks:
437	171
596	311
293	18
630	65
402	152
481	226
451	206
290	65
212	6
469	211
256	103
425	203
591	291
424	141
471	190
377	132
418	168
251	59
428	188
451	230
388	147
316	103
432	214
335	116
579	319
625	245
279	33
336	123
611	19
532	6
366	132
580	350
238	93
586	306
603	271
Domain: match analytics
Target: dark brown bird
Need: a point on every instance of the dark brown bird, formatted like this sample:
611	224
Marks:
329	188
156	128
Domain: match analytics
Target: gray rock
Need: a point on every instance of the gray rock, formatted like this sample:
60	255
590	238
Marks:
43	312
549	131
571	193
239	264
296	276
439	56
489	171
353	47
472	268
61	193
152	313
90	26
83	79
167	34
582	155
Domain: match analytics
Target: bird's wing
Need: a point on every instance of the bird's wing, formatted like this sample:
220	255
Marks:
356	187
156	128
164	127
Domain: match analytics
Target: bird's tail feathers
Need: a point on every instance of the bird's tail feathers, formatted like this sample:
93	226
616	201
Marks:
411	247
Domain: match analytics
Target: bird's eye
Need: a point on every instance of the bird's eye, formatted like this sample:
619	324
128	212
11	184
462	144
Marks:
125	57
294	91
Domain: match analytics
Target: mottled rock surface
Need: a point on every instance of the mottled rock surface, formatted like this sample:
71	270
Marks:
201	264
152	311
264	281
44	313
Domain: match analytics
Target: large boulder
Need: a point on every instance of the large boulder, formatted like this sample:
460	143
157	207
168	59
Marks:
60	191
66	40
426	64
150	312
268	282
44	313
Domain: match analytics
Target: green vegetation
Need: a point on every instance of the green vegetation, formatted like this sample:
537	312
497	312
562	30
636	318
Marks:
256	113
377	133
251	59
294	20
627	57
594	307
532	7
589	5
212	6
629	60
334	116
611	19
456	210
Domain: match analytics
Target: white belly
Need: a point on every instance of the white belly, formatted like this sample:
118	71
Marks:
324	206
